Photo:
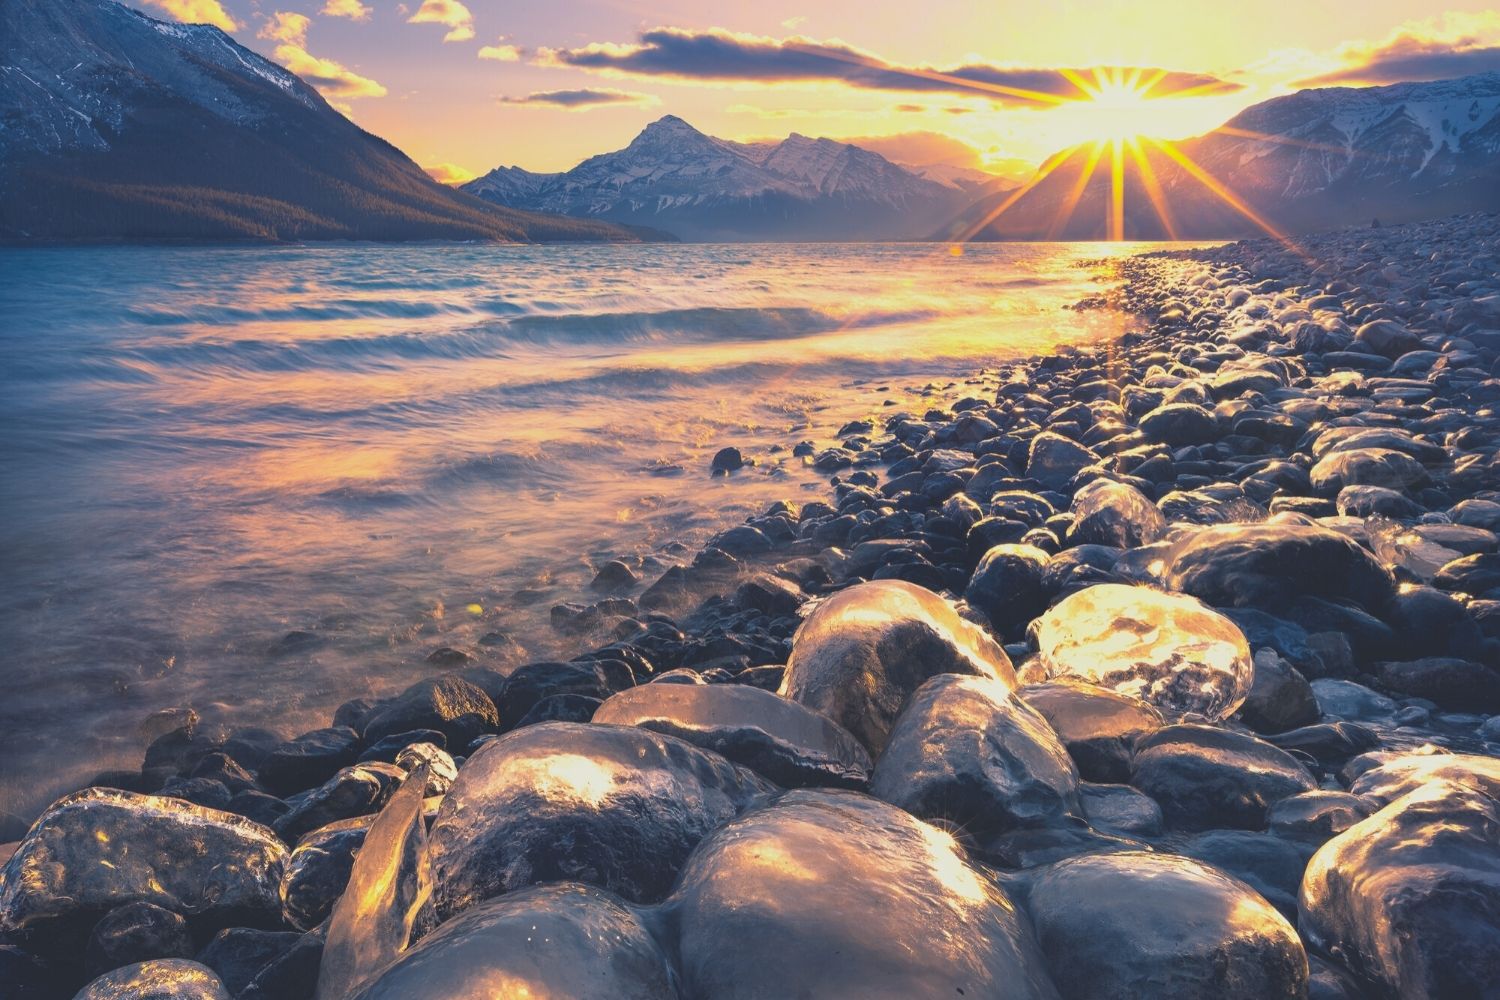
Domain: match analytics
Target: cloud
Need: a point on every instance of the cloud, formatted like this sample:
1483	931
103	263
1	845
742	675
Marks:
501	52
581	100
793	23
921	148
1452	44
352	9
450	13
450	173
198	12
332	78
287	28
727	57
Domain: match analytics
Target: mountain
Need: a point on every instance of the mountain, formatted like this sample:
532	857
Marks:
1316	159
676	178
114	125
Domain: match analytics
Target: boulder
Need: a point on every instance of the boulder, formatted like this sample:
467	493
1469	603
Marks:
1116	514
136	932
1008	586
162	979
1209	778
309	760
453	706
1054	460
1385	467
1096	725
1178	424
318	870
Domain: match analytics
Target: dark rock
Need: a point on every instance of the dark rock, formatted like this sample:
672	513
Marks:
238	954
1208	778
293	976
1280	698
453	706
1315	817
1269	865
529	684
566	707
1179	424
1387	338
770	595
1097	726
1053	460
727	460
1121	809
318	870
309	760
136	932
386	748
1007	586
1115	514
355	791
1384	467
1454	684
614	577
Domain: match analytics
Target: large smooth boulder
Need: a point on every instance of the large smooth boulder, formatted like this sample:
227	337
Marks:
1209	778
1009	585
1116	514
1402	774
1054	460
458	709
1165	649
1388	338
1098	727
1178	424
1138	926
773	736
831	894
1385	467
100	848
1273	564
614	806
1410	897
553	941
861	654
966	751
160	979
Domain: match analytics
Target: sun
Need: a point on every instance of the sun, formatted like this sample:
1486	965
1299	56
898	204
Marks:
1117	105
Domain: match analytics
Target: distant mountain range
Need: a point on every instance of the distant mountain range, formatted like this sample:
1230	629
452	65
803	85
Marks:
1316	159
698	187
114	125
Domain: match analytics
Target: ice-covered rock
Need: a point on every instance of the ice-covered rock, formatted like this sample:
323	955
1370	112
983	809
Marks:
160	979
554	941
614	806
967	752
861	654
1205	777
1137	926
318	870
1117	514
1054	460
1097	726
773	736
1394	470
354	791
835	894
1405	773
1169	650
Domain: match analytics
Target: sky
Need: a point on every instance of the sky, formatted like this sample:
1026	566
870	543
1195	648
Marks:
463	86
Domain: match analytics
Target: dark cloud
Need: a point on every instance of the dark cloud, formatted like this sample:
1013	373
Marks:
579	100
724	56
1410	63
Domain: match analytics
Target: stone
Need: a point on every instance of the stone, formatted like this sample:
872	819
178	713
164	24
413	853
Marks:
1315	817
1272	565
1139	926
1368	501
1008	586
1387	338
1098	726
614	577
614	806
1121	809
1341	699
238	954
1401	774
726	460
1454	684
1410	897
441	770
1116	514
309	760
1178	424
1054	460
835	894
862	652
1385	467
291	976
1209	778
355	791
162	979
136	932
769	594
529	684
565	940
1168	650
1280	697
318	870
773	736
966	752
98	849
453	706
1269	865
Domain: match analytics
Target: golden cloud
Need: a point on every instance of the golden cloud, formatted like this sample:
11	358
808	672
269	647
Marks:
450	13
198	12
450	173
501	52
287	28
1448	45
352	9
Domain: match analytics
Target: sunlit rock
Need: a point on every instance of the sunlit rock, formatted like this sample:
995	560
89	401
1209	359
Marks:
99	848
388	886
1054	460
1110	513
552	942
162	979
1394	470
450	704
318	869
1166	649
1206	777
1274	564
773	736
1315	817
1269	865
1406	552
1121	809
1405	773
1136	926
354	791
861	654
835	894
1410	897
614	806
1096	725
441	771
1008	585
967	752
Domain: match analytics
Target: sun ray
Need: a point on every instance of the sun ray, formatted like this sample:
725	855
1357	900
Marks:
1284	141
1231	199
1070	203
1116	192
1154	192
1042	174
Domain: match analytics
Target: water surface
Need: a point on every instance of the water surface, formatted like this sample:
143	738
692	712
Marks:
382	450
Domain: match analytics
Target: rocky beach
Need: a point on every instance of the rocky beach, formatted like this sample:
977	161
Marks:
1163	666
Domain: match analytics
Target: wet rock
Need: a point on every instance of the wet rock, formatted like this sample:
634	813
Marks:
1314	817
966	751
529	684
1401	774
318	870
861	654
441	770
769	594
355	791
1053	460
1476	574
1208	778
237	954
567	707
309	760
387	747
1341	699
614	577
1454	684
1121	809
1008	585
1269	865
1384	467
1280	697
1387	338
1271	566
293	975
1168	650
1368	501
1136	926
1098	726
837	894
726	460
1178	424
615	806
136	932
777	738
451	705
1409	897
163	979
564	940
1116	514
98	849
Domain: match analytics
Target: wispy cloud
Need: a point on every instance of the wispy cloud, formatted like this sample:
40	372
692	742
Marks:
352	9
501	51
198	12
723	56
449	173
1452	44
332	78
451	14
581	100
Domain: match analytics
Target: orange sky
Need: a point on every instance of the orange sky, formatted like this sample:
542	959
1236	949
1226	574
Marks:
477	83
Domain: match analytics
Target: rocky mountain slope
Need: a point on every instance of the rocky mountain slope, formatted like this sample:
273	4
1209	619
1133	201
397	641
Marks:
114	125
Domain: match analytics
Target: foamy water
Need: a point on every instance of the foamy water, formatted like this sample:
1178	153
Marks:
400	448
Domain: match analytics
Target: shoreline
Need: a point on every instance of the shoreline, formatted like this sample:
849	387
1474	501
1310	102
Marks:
1216	431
